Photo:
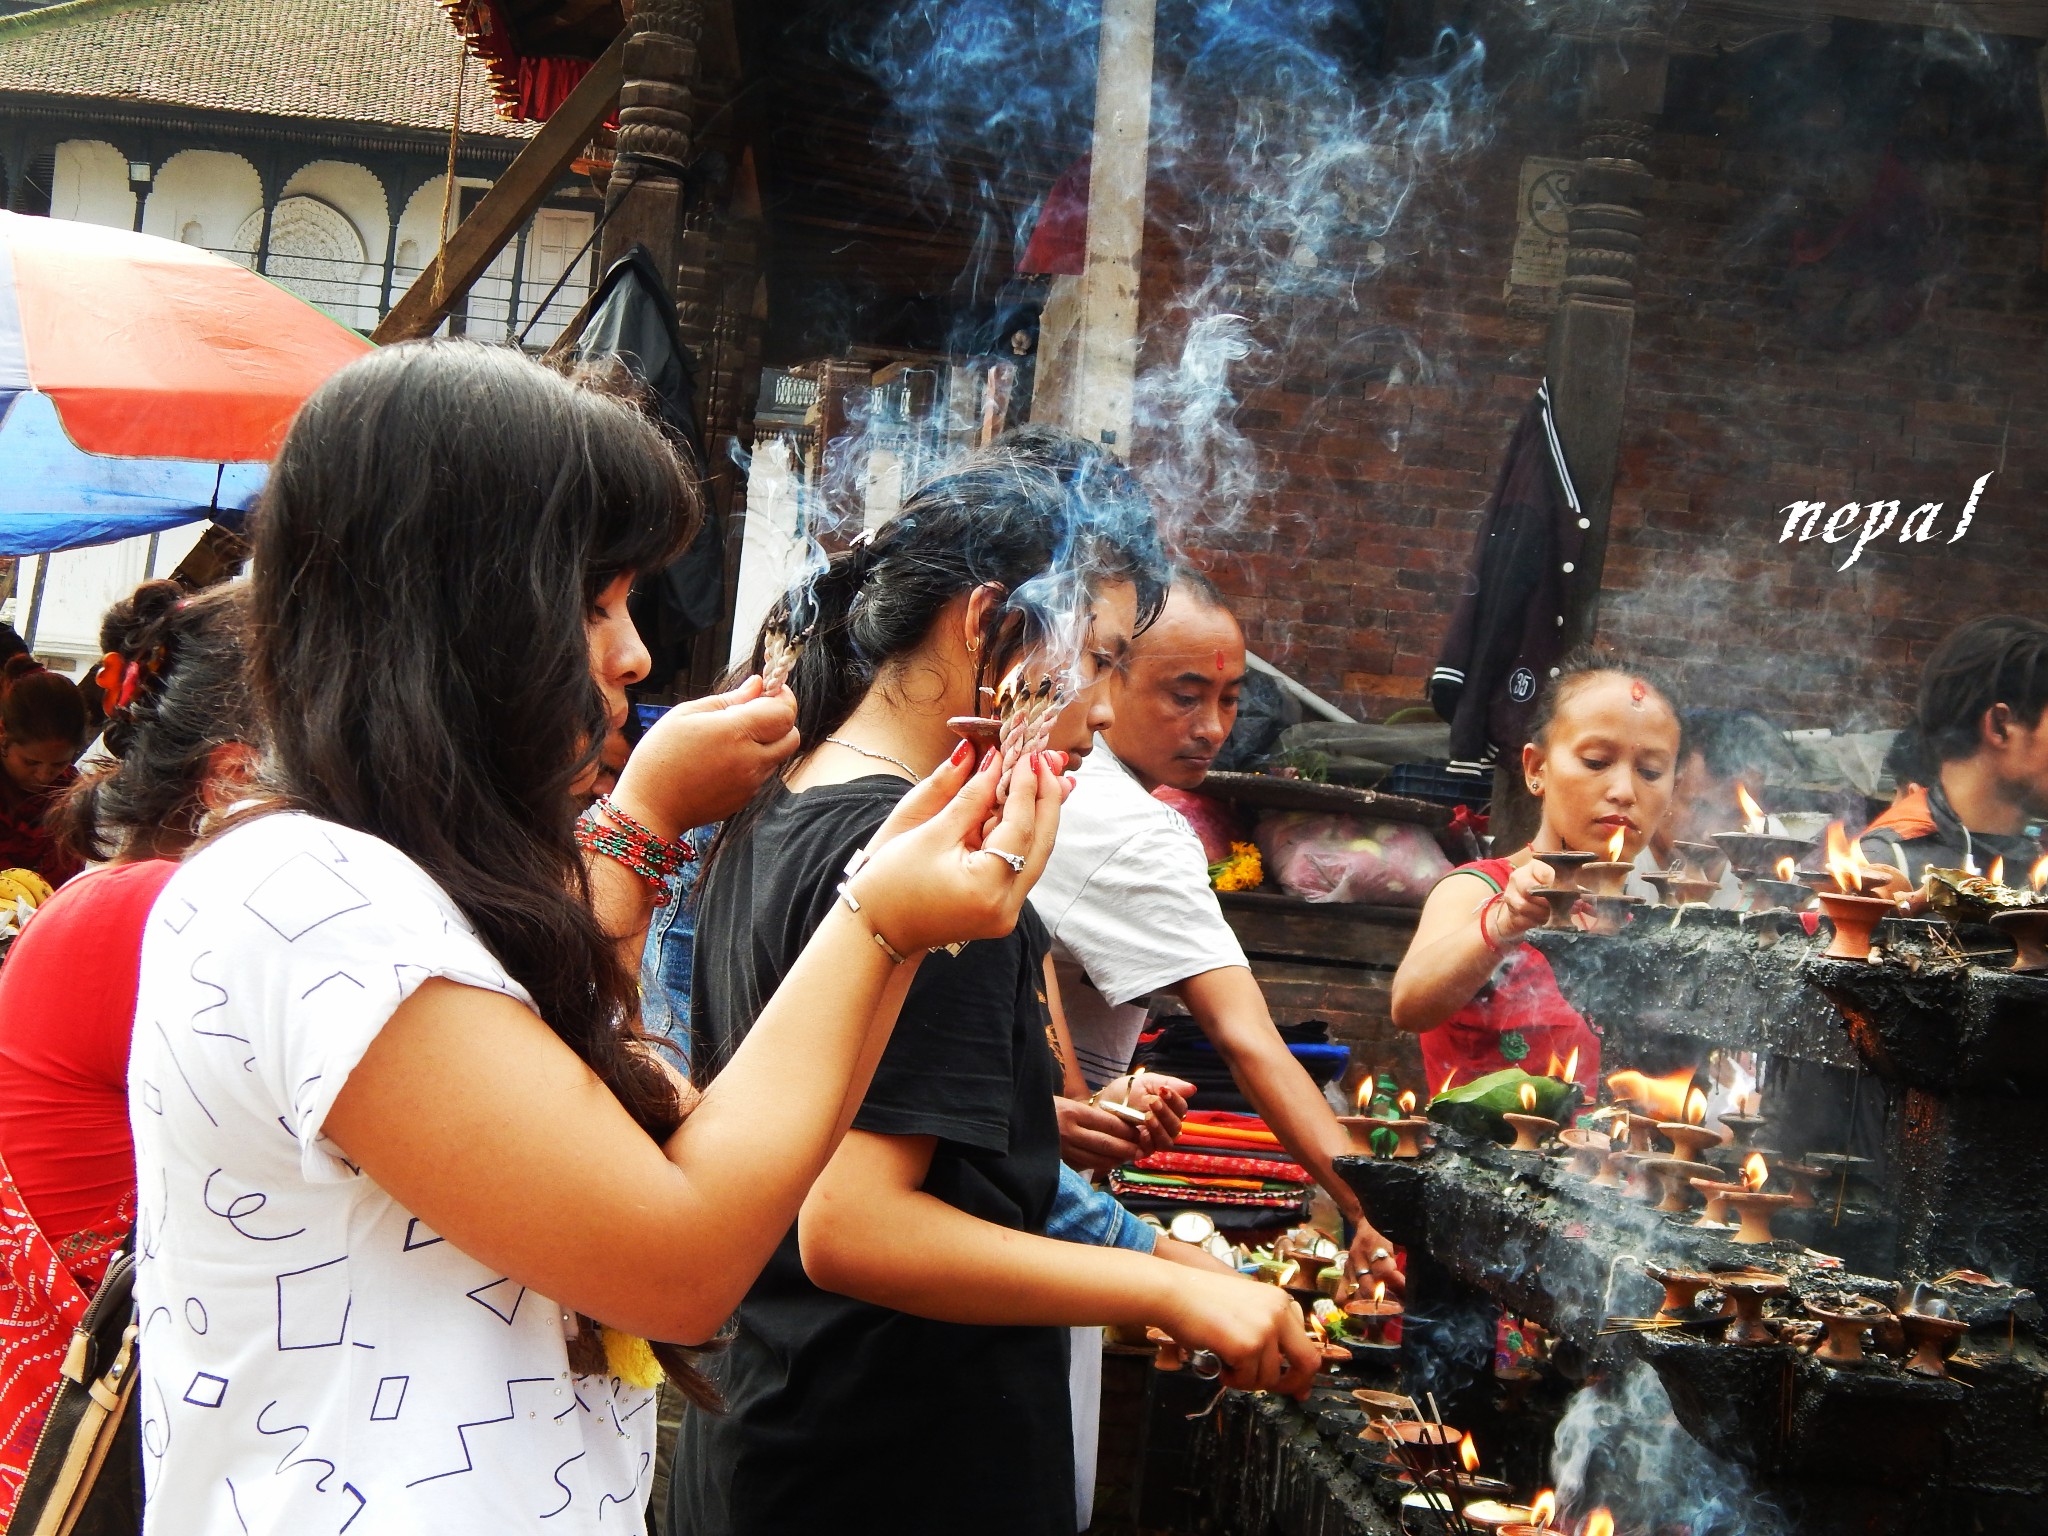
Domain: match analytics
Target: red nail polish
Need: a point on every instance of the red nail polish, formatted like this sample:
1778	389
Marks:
987	758
1037	762
960	753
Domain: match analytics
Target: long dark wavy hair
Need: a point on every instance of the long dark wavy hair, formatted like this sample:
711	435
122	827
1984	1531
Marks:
191	698
1040	513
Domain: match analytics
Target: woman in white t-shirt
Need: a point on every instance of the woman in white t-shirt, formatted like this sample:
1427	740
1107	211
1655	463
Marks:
401	1150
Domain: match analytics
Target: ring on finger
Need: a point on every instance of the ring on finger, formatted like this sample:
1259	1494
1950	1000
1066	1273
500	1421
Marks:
1014	860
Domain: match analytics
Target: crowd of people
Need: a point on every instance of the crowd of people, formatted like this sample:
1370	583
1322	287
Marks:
347	1030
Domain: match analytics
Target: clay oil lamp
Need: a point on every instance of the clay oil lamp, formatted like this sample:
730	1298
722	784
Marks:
1672	1175
1608	876
1690	893
1785	893
1752	1206
1530	1128
1748	1290
1611	914
1661	884
1854	916
1681	1288
1755	849
1564	866
1407	1127
1846	1318
1698	861
1370	1315
1421	1447
981	732
1690	1137
2027	927
1743	1126
1561	899
1536	1519
1589	1150
1931	1331
1717	1192
1802	1177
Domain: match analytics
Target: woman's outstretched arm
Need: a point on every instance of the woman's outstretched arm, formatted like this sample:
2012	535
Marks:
472	1114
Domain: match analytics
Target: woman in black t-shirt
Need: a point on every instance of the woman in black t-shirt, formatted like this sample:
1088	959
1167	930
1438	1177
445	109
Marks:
902	1362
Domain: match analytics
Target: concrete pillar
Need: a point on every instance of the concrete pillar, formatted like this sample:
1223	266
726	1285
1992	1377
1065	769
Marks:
1104	318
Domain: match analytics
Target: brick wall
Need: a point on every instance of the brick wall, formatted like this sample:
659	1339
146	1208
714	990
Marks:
1752	386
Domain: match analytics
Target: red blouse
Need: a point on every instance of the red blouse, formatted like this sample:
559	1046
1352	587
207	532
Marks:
67	1010
1518	1019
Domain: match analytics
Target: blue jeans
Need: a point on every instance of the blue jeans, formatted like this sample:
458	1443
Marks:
670	952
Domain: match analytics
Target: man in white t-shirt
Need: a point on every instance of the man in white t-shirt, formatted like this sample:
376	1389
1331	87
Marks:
1128	901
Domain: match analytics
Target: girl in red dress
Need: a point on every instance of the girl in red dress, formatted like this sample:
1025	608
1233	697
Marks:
1605	748
42	731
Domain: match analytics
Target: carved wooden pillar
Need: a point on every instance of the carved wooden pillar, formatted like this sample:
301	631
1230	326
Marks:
657	128
1589	343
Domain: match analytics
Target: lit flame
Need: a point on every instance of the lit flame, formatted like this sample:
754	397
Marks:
1407	1103
1379	1290
1752	818
1787	868
1998	870
1845	861
1756	1173
1695	1108
1555	1066
1661	1097
1528	1098
2039	877
1451	1076
1468	1453
1364	1093
1621	1129
1543	1508
1614	845
1600	1523
1571	1066
1006	690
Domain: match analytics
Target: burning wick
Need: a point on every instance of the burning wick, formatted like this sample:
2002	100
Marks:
1529	1098
1571	1066
1407	1103
1845	861
2039	876
1600	1523
1379	1291
1787	870
1695	1108
1997	876
1365	1093
1614	844
1543	1508
1451	1076
1468	1454
1756	1173
1752	814
1621	1128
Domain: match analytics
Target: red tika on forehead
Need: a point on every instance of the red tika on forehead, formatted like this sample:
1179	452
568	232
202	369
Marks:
1219	661
1637	692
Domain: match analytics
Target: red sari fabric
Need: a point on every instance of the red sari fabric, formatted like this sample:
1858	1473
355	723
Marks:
1518	1019
67	1158
25	842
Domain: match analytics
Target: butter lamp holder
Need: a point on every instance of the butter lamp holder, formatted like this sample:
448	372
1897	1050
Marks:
1843	1347
1561	899
1672	1175
1717	1192
1932	1340
1855	919
1700	861
1531	1131
1744	1128
1681	1288
1589	1150
2028	930
1749	1292
1753	1210
1687	1140
1565	866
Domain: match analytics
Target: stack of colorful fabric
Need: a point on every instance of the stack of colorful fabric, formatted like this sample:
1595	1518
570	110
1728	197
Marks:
1222	1162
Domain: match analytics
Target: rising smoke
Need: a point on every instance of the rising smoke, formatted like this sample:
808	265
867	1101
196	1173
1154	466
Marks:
1619	1445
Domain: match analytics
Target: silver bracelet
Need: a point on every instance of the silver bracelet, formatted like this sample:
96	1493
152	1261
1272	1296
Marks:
853	905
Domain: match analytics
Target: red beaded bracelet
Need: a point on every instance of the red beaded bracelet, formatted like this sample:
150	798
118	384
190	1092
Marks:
627	842
1485	909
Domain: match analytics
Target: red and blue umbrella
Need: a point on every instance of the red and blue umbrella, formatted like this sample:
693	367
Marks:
143	383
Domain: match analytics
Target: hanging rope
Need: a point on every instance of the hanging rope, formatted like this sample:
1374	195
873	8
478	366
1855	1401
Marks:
454	139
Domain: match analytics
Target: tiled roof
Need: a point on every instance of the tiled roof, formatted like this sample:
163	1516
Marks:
385	62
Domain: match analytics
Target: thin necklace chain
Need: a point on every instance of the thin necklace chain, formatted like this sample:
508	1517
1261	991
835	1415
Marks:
880	757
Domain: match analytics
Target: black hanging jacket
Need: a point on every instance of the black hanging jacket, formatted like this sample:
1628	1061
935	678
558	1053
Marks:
1508	629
